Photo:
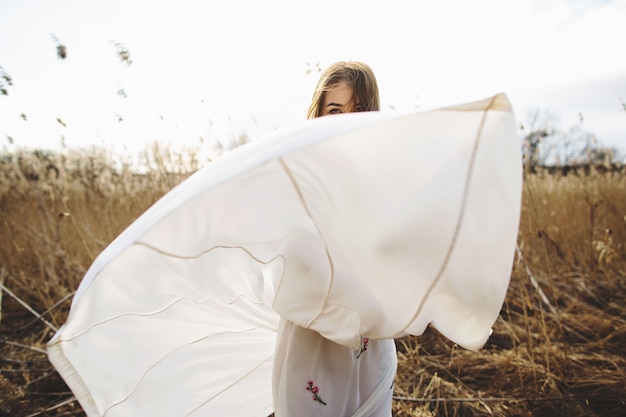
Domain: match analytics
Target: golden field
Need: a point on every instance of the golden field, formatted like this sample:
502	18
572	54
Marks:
558	347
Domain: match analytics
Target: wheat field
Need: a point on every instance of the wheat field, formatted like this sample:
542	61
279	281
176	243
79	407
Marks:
557	347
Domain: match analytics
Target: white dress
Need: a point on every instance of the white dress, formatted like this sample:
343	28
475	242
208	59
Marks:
314	376
339	229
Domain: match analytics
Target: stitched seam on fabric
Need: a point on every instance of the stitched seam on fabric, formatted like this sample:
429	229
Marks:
457	229
204	252
341	305
330	260
345	307
176	349
154	313
222	247
230	386
93	326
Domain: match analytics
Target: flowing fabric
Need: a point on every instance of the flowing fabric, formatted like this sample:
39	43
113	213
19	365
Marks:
362	225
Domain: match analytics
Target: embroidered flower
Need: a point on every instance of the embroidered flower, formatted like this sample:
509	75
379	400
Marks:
315	391
363	347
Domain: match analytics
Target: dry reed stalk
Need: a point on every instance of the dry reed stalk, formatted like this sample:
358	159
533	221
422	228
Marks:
68	401
533	280
67	213
29	308
33	348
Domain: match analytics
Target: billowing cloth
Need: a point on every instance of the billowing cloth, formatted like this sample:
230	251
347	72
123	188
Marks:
355	226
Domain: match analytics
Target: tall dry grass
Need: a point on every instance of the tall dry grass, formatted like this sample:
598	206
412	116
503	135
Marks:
557	347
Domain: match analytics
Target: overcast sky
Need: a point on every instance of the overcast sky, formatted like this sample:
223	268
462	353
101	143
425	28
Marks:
214	70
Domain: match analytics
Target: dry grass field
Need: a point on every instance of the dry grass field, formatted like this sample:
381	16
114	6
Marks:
558	347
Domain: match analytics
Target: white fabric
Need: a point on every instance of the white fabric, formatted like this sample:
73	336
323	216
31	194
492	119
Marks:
356	383
359	225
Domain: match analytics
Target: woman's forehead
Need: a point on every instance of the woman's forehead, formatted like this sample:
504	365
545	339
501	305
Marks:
341	93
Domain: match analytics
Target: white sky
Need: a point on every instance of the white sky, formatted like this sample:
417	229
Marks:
214	69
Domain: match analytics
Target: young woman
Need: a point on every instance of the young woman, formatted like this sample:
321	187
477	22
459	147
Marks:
314	376
360	234
345	87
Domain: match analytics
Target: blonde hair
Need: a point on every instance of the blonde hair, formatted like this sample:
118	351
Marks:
356	74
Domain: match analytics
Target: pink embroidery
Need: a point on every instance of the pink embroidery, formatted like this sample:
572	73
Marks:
364	347
315	391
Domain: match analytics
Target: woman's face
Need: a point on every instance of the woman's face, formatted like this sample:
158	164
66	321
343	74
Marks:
338	100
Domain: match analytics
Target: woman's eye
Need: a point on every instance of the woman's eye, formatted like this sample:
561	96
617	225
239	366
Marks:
335	111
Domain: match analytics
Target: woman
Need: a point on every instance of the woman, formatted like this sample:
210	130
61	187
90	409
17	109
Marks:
360	233
314	376
345	87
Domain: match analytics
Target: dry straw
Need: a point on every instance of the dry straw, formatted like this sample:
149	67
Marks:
557	347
